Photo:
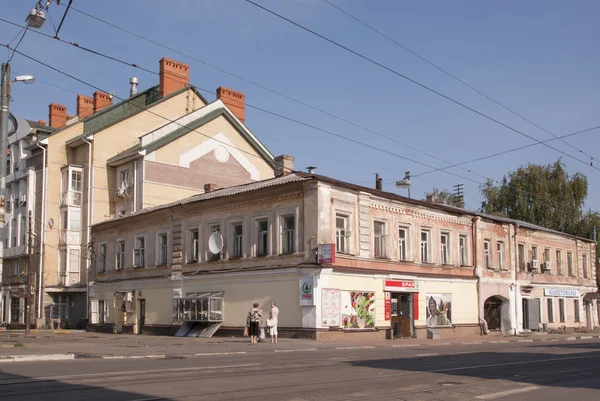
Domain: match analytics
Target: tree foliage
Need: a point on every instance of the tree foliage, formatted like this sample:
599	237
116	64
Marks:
542	195
445	197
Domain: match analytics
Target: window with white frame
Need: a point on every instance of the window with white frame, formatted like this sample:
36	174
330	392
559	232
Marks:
425	234
101	264
403	243
124	181
162	256
288	234
487	254
534	255
139	251
215	228
500	254
559	262
262	237
341	231
379	239
462	250
444	244
120	254
99	311
237	251
194	245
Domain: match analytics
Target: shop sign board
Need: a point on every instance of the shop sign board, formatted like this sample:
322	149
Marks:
561	292
307	291
326	253
388	305
401	286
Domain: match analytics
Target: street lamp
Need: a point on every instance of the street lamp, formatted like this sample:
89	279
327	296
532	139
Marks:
404	183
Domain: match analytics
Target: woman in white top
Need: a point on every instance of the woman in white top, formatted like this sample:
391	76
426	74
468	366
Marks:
273	317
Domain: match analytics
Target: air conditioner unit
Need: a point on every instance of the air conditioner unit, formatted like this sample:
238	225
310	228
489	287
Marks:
547	265
534	264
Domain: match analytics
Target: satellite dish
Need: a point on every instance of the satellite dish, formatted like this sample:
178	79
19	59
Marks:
215	243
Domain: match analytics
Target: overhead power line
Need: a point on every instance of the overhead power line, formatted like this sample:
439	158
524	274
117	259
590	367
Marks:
455	77
391	70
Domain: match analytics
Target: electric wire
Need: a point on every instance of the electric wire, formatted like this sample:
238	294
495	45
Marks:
394	72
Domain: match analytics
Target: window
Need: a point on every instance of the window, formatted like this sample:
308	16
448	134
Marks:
238	241
76	186
101	309
60	308
288	231
500	254
521	253
546	266
262	246
23	230
139	252
570	263
101	258
424	246
576	310
120	255
17	266
444	241
194	245
561	310
379	239
559	268
402	245
124	182
74	262
214	256
585	265
15	309
13	232
163	248
341	230
550	310
486	254
99	312
462	250
534	253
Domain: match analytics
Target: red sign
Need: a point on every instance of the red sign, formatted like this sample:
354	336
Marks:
326	253
400	285
388	306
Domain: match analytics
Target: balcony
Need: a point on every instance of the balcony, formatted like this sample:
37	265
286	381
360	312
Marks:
69	237
67	279
71	198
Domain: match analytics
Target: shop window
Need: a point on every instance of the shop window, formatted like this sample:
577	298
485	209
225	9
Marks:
576	310
550	310
561	310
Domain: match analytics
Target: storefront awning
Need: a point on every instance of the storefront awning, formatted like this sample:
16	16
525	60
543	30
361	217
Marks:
591	295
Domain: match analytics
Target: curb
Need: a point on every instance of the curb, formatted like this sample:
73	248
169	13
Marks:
37	358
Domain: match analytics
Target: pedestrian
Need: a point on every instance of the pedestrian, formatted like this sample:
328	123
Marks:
254	316
273	321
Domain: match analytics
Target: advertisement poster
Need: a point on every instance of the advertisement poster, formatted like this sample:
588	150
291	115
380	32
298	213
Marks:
439	310
358	310
307	297
387	307
331	301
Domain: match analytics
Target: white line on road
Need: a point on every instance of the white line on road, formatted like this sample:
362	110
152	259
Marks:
501	394
221	353
427	354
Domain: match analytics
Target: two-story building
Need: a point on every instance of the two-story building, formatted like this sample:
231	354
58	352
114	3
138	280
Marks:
338	259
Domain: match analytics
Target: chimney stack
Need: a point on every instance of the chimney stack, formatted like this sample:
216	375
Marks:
85	106
209	187
57	115
173	76
284	165
378	182
101	100
234	100
133	81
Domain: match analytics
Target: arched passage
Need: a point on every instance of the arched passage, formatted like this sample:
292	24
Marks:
493	308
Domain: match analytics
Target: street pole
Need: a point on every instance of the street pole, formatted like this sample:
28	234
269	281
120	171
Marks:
30	275
4	111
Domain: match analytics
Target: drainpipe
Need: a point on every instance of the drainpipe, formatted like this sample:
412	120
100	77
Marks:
478	273
89	228
134	208
515	275
43	229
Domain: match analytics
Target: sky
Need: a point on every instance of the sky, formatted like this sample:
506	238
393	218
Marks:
539	58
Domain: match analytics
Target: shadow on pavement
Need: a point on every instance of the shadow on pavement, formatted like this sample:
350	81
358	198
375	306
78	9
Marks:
546	369
22	388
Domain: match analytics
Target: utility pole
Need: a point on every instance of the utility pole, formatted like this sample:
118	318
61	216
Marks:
30	276
4	111
458	194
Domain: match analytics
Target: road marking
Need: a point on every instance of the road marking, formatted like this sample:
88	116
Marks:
434	354
501	394
406	345
525	341
37	358
221	353
471	343
570	338
586	337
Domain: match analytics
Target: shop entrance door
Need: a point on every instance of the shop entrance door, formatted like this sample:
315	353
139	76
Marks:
401	316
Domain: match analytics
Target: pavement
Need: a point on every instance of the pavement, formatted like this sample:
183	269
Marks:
523	371
67	345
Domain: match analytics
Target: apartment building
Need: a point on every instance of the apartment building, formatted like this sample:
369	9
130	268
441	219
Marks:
23	195
109	160
338	258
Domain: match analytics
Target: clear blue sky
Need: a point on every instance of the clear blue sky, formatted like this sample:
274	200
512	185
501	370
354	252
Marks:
538	57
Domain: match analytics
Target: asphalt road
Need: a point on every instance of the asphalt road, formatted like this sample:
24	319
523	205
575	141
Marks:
521	371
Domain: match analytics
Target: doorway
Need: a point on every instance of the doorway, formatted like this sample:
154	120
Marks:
401	316
492	311
142	316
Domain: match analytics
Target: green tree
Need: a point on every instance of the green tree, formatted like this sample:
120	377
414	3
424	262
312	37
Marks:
445	197
542	195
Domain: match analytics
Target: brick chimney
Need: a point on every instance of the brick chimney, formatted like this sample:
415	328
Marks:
85	106
57	115
234	100
173	76
209	187
42	122
101	100
284	165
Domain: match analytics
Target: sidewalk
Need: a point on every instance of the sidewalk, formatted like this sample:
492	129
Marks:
64	345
